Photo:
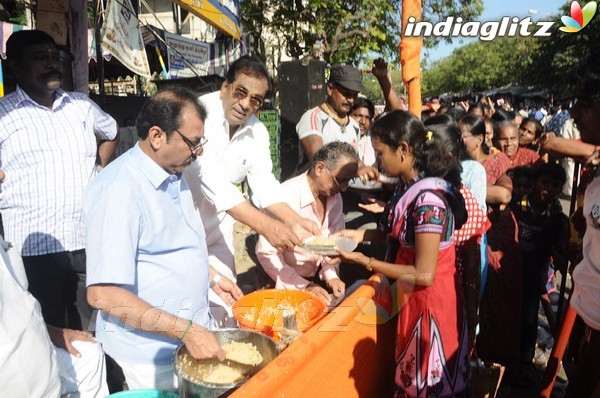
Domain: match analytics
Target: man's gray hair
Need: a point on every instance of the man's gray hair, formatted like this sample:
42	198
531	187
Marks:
332	153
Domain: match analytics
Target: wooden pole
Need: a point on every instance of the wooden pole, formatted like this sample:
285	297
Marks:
410	56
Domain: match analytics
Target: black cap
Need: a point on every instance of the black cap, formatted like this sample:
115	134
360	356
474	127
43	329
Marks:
346	76
20	40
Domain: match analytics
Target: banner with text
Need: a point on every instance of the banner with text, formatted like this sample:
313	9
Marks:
186	56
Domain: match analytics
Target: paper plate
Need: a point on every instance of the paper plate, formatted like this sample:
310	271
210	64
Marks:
368	186
345	244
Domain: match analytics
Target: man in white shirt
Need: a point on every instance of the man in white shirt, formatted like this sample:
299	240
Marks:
50	144
238	148
330	121
584	381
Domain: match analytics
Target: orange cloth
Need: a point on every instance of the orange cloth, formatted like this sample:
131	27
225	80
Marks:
349	353
410	56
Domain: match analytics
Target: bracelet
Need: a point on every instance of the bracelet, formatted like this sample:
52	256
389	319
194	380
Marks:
215	280
187	329
370	264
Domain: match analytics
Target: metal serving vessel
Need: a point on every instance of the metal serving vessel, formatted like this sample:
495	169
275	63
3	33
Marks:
189	389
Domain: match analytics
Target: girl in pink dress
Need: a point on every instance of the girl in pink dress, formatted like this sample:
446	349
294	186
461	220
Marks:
432	353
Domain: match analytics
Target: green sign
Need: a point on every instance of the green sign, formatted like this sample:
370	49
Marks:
271	120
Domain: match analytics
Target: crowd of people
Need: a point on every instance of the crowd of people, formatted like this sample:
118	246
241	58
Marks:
134	256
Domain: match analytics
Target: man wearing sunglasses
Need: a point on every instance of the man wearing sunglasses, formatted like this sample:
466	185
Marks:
238	149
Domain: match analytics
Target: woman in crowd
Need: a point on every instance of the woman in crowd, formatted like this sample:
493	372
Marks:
489	135
506	138
500	306
471	244
419	221
496	165
530	132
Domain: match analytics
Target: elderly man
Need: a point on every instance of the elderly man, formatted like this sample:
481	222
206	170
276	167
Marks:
330	121
50	144
315	195
238	148
148	268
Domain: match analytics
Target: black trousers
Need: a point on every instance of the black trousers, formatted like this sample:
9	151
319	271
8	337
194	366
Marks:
57	281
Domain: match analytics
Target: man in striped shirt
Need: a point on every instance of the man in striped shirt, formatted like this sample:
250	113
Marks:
331	122
50	144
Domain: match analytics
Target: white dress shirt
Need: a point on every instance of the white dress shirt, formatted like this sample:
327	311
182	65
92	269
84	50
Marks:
212	178
49	156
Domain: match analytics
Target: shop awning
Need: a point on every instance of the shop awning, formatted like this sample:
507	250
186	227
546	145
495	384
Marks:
222	14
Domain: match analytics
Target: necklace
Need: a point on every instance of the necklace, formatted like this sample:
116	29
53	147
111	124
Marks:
343	122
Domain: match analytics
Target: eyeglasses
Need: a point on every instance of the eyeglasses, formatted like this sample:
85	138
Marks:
340	185
241	93
194	147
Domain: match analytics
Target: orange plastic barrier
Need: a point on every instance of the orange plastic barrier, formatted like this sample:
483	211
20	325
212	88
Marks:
349	353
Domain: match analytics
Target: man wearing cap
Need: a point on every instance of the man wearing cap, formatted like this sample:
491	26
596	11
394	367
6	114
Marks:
51	143
330	121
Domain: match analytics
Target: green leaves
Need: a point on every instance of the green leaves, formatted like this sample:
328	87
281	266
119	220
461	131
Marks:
353	30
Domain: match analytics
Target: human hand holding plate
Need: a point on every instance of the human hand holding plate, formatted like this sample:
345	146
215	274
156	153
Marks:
326	246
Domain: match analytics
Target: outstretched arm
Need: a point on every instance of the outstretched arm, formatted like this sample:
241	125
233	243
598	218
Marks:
422	273
139	314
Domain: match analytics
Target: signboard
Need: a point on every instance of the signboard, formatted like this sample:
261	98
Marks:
273	124
121	36
186	56
222	14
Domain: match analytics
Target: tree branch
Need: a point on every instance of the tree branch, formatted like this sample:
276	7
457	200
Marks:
339	36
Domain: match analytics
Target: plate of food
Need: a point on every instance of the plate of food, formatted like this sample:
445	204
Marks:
326	245
368	186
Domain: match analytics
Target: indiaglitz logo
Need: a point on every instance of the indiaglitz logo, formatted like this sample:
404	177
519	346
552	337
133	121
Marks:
485	31
506	27
579	18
